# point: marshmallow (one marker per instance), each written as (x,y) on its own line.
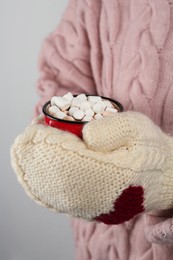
(62,103)
(94,98)
(92,103)
(87,118)
(53,109)
(98,108)
(78,114)
(111,109)
(89,112)
(107,113)
(82,97)
(76,102)
(69,118)
(85,105)
(69,96)
(81,107)
(60,115)
(72,109)
(52,102)
(108,103)
(101,103)
(98,116)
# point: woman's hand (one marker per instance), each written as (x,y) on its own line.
(123,166)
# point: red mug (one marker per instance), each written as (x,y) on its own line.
(75,127)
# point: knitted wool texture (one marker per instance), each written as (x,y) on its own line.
(86,179)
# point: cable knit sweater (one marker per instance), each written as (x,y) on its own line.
(124,50)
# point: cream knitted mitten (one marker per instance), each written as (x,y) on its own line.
(123,166)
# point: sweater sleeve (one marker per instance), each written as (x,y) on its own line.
(159,227)
(64,61)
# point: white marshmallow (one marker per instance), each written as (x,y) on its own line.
(85,105)
(69,118)
(111,109)
(101,103)
(89,112)
(98,108)
(92,103)
(76,102)
(107,113)
(108,103)
(94,98)
(71,110)
(52,101)
(82,97)
(68,96)
(62,103)
(78,114)
(80,108)
(60,115)
(87,118)
(53,109)
(98,116)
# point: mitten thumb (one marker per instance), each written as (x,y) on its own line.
(109,133)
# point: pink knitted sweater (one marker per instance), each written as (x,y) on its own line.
(124,50)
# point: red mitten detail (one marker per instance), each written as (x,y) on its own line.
(129,204)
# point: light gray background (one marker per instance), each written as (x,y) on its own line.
(27,231)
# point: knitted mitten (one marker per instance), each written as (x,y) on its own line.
(123,166)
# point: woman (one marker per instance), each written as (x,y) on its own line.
(124,50)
